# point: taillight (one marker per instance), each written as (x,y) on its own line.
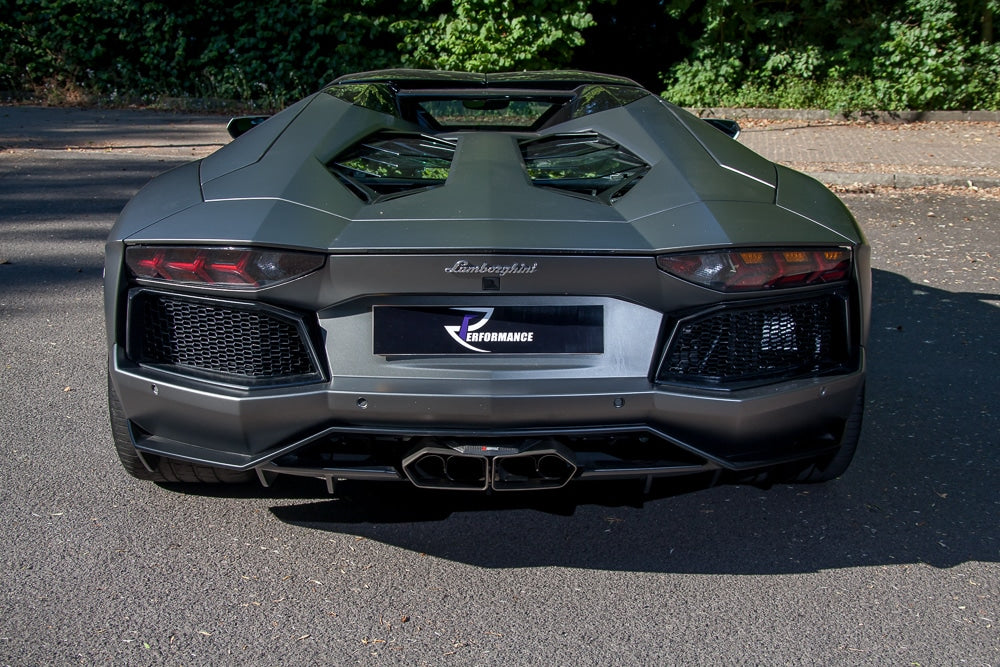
(757,269)
(229,268)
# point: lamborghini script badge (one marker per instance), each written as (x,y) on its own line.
(517,268)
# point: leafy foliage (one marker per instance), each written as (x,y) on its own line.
(493,35)
(907,54)
(834,54)
(242,49)
(268,52)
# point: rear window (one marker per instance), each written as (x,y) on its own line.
(469,107)
(495,112)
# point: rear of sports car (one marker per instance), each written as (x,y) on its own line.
(505,282)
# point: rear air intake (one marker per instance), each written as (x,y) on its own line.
(768,342)
(244,344)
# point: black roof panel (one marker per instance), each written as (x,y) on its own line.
(418,78)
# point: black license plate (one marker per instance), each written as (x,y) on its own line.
(488,330)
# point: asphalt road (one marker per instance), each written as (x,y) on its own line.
(896,563)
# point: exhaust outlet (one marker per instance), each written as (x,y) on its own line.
(534,469)
(552,466)
(431,466)
(440,468)
(466,469)
(546,465)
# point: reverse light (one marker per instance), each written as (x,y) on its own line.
(752,269)
(228,268)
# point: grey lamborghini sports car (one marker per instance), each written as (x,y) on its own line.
(490,283)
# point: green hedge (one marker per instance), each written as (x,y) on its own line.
(126,49)
(266,53)
(841,55)
(833,54)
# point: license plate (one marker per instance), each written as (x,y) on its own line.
(488,330)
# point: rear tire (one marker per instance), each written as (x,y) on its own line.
(834,465)
(164,470)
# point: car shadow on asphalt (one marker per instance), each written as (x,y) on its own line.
(922,490)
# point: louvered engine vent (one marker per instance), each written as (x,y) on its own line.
(389,164)
(586,164)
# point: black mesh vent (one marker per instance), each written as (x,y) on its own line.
(248,345)
(740,345)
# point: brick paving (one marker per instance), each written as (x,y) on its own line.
(844,153)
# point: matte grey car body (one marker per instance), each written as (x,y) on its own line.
(502,282)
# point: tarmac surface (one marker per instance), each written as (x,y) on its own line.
(836,152)
(895,563)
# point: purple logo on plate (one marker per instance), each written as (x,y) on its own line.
(461,332)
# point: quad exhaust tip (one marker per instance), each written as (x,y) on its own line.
(443,468)
(537,469)
(549,466)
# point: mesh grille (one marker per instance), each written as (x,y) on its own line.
(251,344)
(776,340)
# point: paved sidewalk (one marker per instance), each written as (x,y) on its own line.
(960,154)
(102,131)
(841,153)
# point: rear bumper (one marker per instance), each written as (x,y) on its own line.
(683,430)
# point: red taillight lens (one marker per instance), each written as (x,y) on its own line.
(229,268)
(752,269)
